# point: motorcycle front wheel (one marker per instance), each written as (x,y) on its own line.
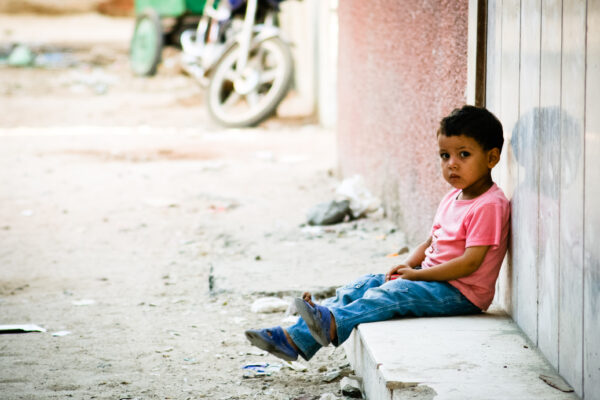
(245,98)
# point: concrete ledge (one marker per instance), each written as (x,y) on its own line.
(472,357)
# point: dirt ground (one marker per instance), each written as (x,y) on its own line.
(131,221)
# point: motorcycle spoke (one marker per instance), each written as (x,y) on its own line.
(269,75)
(232,99)
(253,98)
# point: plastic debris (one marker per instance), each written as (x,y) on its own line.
(24,328)
(61,333)
(27,213)
(351,388)
(329,213)
(260,369)
(332,375)
(296,366)
(21,56)
(269,305)
(83,302)
(362,202)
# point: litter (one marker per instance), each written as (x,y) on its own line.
(61,333)
(269,305)
(329,213)
(350,387)
(21,56)
(83,302)
(260,369)
(332,375)
(362,202)
(296,366)
(21,328)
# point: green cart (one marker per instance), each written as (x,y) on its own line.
(157,23)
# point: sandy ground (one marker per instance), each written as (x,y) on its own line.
(120,201)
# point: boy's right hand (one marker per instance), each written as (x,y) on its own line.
(395,270)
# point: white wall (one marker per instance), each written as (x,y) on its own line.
(543,82)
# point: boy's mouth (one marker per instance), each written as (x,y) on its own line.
(453,176)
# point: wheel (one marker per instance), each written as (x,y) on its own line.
(146,43)
(245,98)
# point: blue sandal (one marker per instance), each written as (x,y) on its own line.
(318,320)
(274,341)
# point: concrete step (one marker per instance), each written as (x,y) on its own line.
(477,357)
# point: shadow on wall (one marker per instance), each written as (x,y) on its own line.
(546,144)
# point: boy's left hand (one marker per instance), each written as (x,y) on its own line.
(408,274)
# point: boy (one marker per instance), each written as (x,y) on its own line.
(453,272)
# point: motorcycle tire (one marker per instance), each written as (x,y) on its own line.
(248,98)
(146,44)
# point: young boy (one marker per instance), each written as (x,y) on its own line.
(453,272)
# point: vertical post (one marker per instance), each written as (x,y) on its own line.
(476,58)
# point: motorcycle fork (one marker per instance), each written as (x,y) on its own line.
(245,37)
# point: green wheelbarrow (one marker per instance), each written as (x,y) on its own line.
(151,31)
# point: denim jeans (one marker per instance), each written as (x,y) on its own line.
(370,298)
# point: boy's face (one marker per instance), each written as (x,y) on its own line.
(466,165)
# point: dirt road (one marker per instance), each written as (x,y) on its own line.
(120,202)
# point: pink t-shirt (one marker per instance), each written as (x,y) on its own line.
(458,224)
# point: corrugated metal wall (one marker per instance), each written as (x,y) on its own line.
(543,82)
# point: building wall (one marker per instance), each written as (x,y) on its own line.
(543,82)
(402,66)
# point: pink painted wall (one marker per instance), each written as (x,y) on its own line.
(402,67)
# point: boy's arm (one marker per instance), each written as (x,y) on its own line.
(456,268)
(414,259)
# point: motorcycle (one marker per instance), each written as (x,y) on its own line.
(237,51)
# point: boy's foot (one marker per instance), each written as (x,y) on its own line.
(317,318)
(273,340)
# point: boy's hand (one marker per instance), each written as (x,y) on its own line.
(396,270)
(408,274)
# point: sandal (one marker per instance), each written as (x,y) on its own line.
(274,341)
(318,320)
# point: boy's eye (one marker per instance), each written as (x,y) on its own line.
(464,154)
(444,156)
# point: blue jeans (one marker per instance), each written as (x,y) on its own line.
(370,298)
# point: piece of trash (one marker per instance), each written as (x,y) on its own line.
(329,213)
(362,202)
(27,213)
(24,328)
(269,305)
(61,333)
(351,388)
(557,382)
(260,369)
(296,366)
(21,56)
(332,375)
(392,255)
(189,359)
(313,231)
(83,302)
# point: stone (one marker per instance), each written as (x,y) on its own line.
(329,213)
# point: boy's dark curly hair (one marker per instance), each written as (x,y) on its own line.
(474,122)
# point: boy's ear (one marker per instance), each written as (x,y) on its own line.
(493,157)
